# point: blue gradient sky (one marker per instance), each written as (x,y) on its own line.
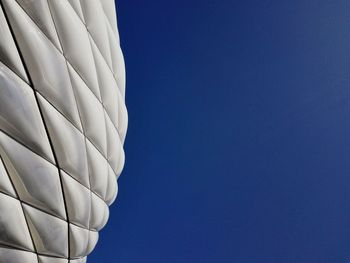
(238,147)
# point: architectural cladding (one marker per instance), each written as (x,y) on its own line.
(62,127)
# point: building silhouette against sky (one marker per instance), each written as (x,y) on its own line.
(63,123)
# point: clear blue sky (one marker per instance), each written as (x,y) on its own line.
(238,148)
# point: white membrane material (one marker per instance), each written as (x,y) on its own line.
(63,122)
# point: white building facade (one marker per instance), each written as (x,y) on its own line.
(63,123)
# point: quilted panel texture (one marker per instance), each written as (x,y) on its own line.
(63,123)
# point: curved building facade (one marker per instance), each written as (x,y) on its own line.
(63,123)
